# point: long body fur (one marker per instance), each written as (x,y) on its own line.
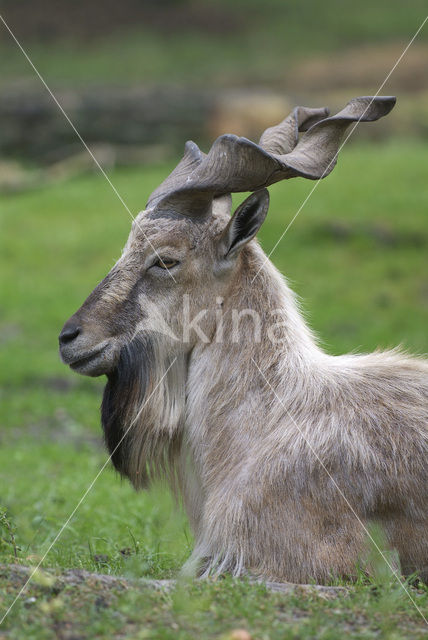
(283,455)
(259,458)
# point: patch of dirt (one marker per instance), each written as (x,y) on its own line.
(364,67)
(17,575)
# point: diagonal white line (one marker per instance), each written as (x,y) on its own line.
(341,146)
(342,494)
(30,577)
(60,107)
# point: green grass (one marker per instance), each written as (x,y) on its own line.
(257,44)
(357,256)
(211,611)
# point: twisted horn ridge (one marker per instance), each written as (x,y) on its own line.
(236,164)
(284,137)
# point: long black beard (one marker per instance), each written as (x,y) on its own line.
(125,390)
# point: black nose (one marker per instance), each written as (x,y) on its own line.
(69,333)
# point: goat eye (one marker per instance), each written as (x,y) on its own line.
(165,263)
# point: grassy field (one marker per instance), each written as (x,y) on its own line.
(357,256)
(218,43)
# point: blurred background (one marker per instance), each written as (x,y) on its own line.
(138,78)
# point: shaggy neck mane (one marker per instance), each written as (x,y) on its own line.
(145,406)
(142,411)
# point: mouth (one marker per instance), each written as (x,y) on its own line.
(94,363)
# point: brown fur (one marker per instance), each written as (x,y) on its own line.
(283,455)
(245,453)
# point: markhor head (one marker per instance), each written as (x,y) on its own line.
(186,243)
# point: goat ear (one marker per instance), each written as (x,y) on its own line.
(244,224)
